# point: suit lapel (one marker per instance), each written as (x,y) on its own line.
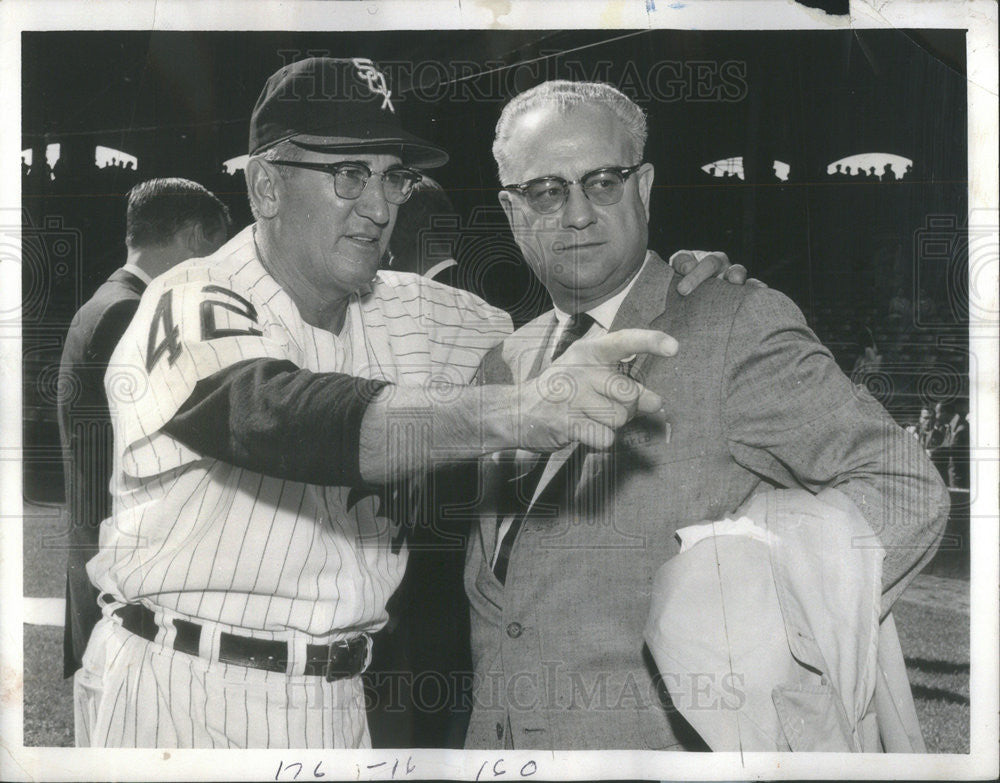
(526,353)
(523,353)
(644,304)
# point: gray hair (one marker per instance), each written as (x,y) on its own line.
(565,95)
(283,150)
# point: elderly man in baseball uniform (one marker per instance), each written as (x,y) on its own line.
(167,221)
(279,391)
(560,576)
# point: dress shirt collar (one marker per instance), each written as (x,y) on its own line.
(142,274)
(604,313)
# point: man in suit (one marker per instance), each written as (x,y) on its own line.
(428,633)
(559,574)
(167,221)
(950,450)
(927,432)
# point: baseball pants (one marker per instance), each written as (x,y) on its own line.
(134,693)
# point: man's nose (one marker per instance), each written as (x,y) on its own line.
(578,212)
(372,202)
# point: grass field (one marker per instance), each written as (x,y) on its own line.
(932,619)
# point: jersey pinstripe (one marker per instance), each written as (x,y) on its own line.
(255,553)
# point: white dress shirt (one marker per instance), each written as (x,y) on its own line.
(142,274)
(604,315)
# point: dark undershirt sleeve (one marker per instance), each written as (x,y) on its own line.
(269,416)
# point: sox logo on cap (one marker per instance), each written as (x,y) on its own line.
(375,80)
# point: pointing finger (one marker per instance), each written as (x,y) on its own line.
(611,348)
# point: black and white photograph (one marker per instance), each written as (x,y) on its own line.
(500,390)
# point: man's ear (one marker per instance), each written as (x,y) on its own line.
(262,187)
(201,240)
(645,178)
(189,240)
(193,238)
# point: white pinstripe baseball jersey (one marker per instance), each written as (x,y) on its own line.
(215,542)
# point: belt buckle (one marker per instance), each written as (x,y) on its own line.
(345,645)
(368,652)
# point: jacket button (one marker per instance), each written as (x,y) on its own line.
(514,630)
(499,731)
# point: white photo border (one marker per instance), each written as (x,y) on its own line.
(979,17)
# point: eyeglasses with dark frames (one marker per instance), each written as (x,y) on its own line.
(350,178)
(603,186)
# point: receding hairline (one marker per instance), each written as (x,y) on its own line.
(563,109)
(517,125)
(565,97)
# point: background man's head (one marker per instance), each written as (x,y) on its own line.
(583,251)
(425,231)
(170,220)
(944,412)
(322,231)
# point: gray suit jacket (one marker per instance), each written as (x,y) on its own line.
(752,400)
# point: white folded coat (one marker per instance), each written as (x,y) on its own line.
(766,630)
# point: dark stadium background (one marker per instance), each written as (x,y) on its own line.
(846,250)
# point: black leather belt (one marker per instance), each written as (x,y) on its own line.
(334,661)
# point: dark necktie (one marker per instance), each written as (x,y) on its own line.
(576,327)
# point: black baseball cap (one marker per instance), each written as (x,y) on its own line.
(335,104)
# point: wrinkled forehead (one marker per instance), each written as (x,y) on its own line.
(566,141)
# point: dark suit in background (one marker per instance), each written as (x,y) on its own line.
(86,436)
(167,220)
